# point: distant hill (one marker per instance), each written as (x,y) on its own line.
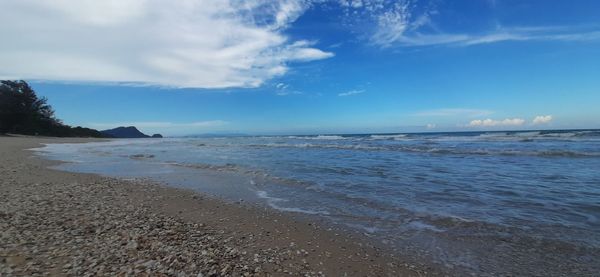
(126,132)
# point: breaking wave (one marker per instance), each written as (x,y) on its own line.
(434,150)
(389,137)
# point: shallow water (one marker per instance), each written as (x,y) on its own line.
(487,203)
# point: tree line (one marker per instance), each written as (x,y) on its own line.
(23,112)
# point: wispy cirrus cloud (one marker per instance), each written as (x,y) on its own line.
(411,23)
(283,89)
(201,44)
(351,92)
(498,35)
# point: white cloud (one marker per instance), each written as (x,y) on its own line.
(542,119)
(281,86)
(188,43)
(455,112)
(497,123)
(431,126)
(392,24)
(282,89)
(418,39)
(207,43)
(288,92)
(411,23)
(351,92)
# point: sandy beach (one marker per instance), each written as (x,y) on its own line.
(300,138)
(60,223)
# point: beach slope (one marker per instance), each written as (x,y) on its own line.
(76,224)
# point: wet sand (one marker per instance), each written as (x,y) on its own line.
(61,223)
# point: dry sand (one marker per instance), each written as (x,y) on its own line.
(60,223)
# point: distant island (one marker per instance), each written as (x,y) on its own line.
(127,132)
(23,112)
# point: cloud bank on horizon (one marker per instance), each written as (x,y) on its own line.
(212,43)
(509,122)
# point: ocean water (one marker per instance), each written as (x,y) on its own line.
(486,203)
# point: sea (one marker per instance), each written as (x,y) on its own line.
(480,203)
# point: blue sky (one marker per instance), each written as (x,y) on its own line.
(310,66)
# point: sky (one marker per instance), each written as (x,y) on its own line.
(308,67)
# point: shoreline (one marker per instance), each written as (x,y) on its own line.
(263,241)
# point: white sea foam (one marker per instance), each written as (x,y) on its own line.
(271,201)
(312,145)
(420,225)
(319,137)
(437,150)
(389,137)
(330,137)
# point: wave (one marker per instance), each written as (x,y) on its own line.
(567,154)
(545,153)
(134,156)
(329,137)
(576,133)
(435,150)
(344,137)
(527,136)
(272,202)
(523,136)
(224,167)
(389,137)
(319,137)
(323,146)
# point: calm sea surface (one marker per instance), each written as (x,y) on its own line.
(521,203)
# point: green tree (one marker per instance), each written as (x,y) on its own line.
(22,112)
